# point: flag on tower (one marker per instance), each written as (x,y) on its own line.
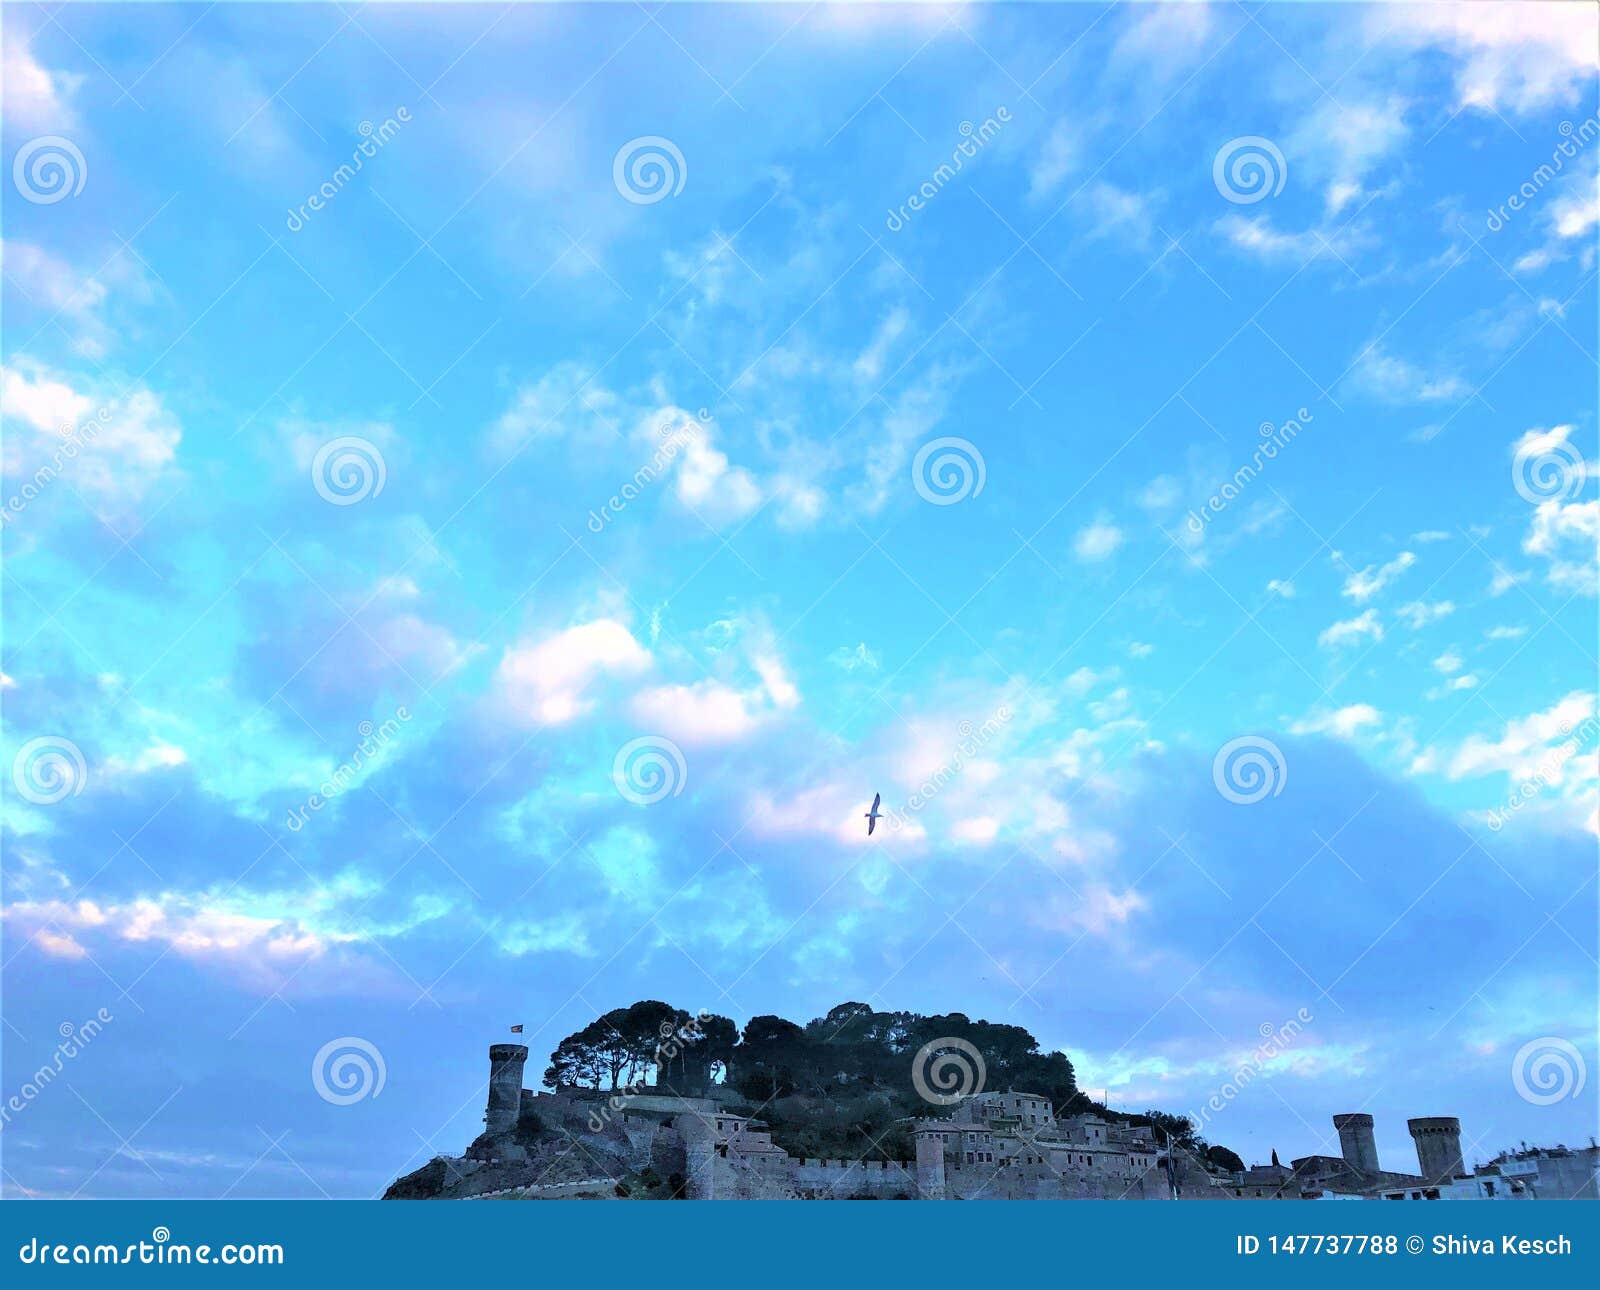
(516,1030)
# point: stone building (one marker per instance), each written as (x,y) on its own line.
(1002,1146)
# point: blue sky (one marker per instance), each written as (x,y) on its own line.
(919,459)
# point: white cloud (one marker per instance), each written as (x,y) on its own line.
(1099,541)
(37,99)
(1373,579)
(706,482)
(1282,588)
(120,445)
(549,681)
(563,401)
(1344,722)
(1417,614)
(1518,56)
(979,830)
(1141,649)
(1353,629)
(1531,744)
(1503,633)
(1392,379)
(1448,662)
(1567,536)
(868,366)
(1258,237)
(1056,158)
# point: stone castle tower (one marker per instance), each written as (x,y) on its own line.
(505,1087)
(1357,1144)
(1438,1139)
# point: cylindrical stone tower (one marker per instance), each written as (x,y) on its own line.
(1438,1139)
(1356,1142)
(930,1166)
(505,1087)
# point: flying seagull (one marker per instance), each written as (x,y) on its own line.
(874,815)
